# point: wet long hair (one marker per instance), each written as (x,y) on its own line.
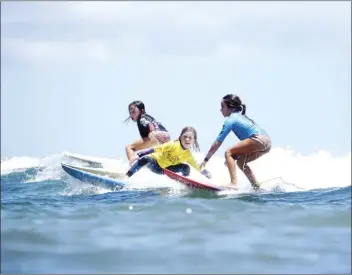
(234,102)
(195,145)
(139,104)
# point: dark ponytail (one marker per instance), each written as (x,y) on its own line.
(234,102)
(244,109)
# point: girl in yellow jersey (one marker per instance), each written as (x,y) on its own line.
(170,155)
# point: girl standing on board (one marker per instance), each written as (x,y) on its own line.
(170,155)
(151,131)
(254,141)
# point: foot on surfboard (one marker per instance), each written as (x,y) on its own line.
(256,186)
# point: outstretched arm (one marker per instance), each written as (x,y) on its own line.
(145,152)
(141,154)
(210,153)
(226,128)
(160,148)
(215,146)
(195,165)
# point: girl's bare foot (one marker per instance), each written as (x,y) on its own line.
(256,186)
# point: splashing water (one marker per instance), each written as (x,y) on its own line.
(282,169)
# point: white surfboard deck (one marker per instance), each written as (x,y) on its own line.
(92,161)
(99,171)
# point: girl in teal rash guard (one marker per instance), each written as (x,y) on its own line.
(254,141)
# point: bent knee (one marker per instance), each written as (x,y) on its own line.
(241,163)
(186,170)
(130,147)
(228,154)
(143,160)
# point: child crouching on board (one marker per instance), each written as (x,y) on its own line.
(254,141)
(170,155)
(152,132)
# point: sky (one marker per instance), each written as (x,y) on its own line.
(70,69)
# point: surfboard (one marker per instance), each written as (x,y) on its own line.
(99,171)
(93,162)
(92,178)
(192,183)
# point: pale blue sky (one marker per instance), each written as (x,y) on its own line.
(69,70)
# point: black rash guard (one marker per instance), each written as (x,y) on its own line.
(143,125)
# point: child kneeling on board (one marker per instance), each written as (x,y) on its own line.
(170,155)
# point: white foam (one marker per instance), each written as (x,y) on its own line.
(318,170)
(76,187)
(16,163)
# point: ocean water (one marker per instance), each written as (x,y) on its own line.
(301,223)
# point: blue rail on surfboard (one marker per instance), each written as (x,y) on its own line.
(91,178)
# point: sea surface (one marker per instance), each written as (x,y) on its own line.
(52,223)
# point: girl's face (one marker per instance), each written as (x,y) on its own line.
(134,112)
(187,139)
(226,111)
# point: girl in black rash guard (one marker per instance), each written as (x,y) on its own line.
(151,131)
